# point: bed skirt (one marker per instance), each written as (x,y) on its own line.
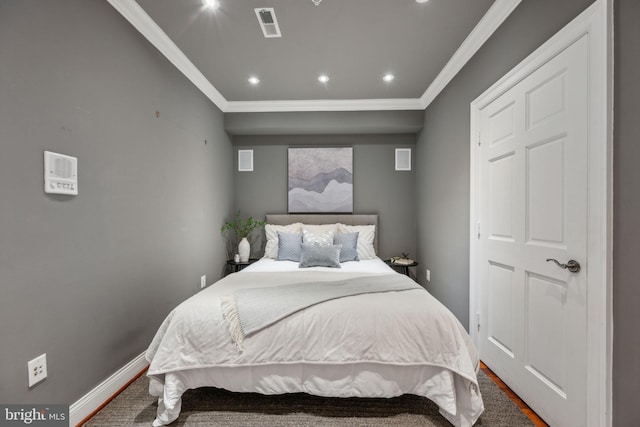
(459,399)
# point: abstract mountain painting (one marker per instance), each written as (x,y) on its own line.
(321,180)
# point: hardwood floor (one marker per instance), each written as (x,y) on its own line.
(535,419)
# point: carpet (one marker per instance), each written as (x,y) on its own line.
(214,407)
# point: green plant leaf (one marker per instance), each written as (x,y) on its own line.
(241,227)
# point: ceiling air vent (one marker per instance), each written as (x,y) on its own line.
(268,22)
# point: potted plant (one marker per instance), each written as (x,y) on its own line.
(242,228)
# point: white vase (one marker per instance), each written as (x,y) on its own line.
(244,249)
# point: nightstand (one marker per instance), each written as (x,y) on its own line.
(237,266)
(404,268)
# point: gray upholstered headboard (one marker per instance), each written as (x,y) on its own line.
(284,219)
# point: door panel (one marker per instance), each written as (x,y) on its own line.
(546,328)
(501,314)
(546,100)
(500,198)
(501,124)
(545,193)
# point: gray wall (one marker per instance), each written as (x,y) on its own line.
(88,279)
(443,176)
(378,188)
(626,215)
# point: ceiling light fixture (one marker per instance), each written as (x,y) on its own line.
(254,80)
(388,77)
(421,1)
(316,2)
(323,78)
(211,4)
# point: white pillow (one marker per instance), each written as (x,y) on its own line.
(323,239)
(320,228)
(271,233)
(365,249)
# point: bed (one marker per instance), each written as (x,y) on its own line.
(356,329)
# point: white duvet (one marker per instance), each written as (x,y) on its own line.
(389,334)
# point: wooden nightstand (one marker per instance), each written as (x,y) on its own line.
(234,267)
(404,268)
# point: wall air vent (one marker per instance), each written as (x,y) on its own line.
(245,160)
(268,22)
(403,159)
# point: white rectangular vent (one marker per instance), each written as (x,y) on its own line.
(403,159)
(245,160)
(60,174)
(268,22)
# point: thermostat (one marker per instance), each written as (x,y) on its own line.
(60,174)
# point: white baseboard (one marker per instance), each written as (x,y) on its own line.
(91,401)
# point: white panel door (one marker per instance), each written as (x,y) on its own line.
(533,207)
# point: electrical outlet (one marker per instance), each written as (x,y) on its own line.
(203,281)
(428,275)
(37,369)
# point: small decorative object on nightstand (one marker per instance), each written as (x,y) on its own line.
(402,263)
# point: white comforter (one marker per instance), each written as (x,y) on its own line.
(408,328)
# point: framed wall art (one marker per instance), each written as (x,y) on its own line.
(320,180)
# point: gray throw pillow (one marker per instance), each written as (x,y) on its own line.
(319,256)
(289,246)
(349,242)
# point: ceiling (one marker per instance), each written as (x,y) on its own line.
(354,42)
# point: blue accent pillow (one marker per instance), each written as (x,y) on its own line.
(349,242)
(289,246)
(319,256)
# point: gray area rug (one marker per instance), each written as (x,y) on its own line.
(215,407)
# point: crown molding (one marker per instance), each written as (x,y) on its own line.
(324,105)
(142,22)
(495,16)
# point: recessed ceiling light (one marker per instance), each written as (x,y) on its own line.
(388,77)
(323,78)
(254,80)
(211,4)
(421,1)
